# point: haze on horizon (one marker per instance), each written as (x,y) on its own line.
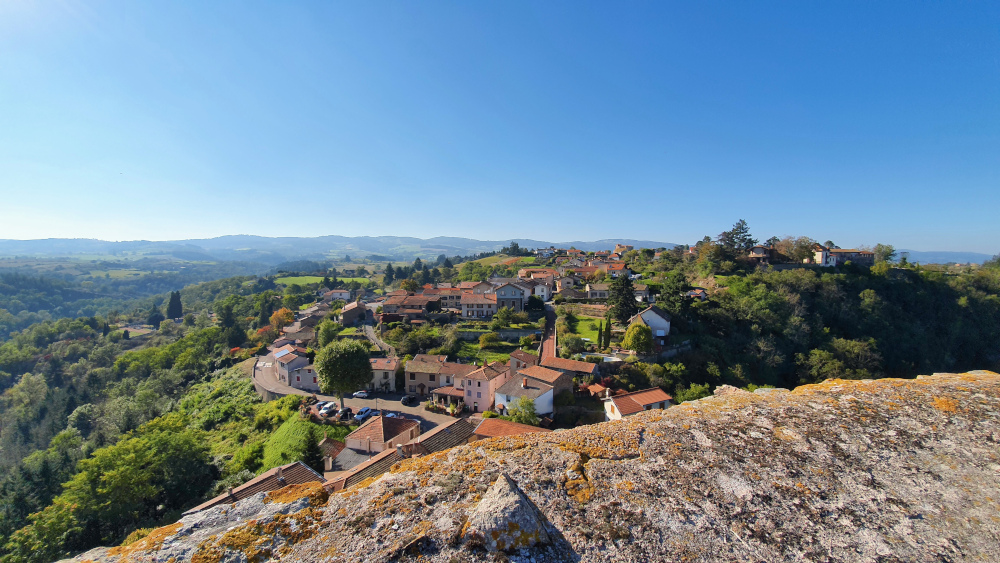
(855,122)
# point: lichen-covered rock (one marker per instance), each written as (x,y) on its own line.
(884,470)
(506,519)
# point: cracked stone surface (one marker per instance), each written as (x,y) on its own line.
(884,470)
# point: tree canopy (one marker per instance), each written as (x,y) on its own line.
(343,367)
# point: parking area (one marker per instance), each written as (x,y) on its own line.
(390,402)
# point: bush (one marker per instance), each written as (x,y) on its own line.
(490,414)
(564,399)
(572,344)
(488,340)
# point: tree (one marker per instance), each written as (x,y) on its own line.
(418,265)
(523,412)
(488,339)
(389,274)
(691,393)
(504,316)
(600,335)
(155,317)
(343,367)
(572,344)
(993,263)
(447,264)
(638,338)
(327,332)
(409,285)
(281,318)
(174,308)
(621,299)
(884,253)
(737,241)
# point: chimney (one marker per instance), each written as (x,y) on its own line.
(229,491)
(399,450)
(281,475)
(524,383)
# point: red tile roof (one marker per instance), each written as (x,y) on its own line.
(542,374)
(493,427)
(381,429)
(488,372)
(448,391)
(530,359)
(295,473)
(478,299)
(631,403)
(387,364)
(569,365)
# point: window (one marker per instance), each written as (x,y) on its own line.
(385,375)
(479,384)
(468,392)
(297,379)
(430,377)
(479,395)
(447,380)
(413,376)
(412,389)
(314,380)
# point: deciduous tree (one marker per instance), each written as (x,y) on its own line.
(343,367)
(638,338)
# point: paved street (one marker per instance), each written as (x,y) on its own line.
(549,340)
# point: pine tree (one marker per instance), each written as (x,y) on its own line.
(447,263)
(389,274)
(174,308)
(418,265)
(600,335)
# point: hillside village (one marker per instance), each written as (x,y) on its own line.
(517,362)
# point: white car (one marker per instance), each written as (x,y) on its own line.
(361,394)
(329,408)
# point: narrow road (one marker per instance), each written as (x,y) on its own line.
(549,339)
(382,345)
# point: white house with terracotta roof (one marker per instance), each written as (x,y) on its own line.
(559,380)
(425,372)
(541,393)
(384,374)
(335,294)
(382,433)
(479,305)
(618,406)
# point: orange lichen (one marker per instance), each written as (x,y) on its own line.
(945,404)
(148,544)
(314,491)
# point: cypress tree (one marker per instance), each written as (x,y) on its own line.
(174,308)
(389,274)
(600,335)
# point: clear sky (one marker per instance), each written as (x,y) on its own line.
(858,122)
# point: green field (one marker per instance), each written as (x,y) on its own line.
(301,280)
(500,353)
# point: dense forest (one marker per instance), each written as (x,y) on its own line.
(33,291)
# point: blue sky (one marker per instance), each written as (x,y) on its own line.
(857,122)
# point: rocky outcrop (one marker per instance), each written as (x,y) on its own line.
(886,470)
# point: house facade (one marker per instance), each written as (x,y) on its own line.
(511,296)
(479,305)
(352,313)
(383,374)
(425,372)
(382,433)
(597,290)
(480,386)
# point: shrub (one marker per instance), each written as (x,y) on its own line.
(488,340)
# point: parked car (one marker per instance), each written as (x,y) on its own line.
(319,406)
(393,415)
(345,413)
(361,394)
(408,400)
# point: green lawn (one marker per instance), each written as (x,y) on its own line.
(348,330)
(500,353)
(582,327)
(301,280)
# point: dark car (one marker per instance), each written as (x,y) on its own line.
(408,400)
(345,413)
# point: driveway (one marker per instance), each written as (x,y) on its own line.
(549,340)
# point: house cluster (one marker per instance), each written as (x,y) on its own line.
(822,256)
(496,386)
(470,300)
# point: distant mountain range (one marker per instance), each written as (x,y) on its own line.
(275,250)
